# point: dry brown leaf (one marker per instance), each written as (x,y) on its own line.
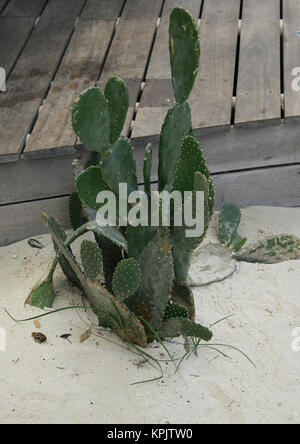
(37,323)
(85,335)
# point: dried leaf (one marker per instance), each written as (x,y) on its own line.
(85,335)
(37,323)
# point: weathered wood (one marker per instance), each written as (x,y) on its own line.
(103,10)
(291,51)
(79,70)
(40,178)
(238,149)
(131,47)
(279,186)
(258,88)
(2,5)
(24,8)
(211,98)
(21,221)
(33,73)
(18,30)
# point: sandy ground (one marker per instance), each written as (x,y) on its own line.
(90,382)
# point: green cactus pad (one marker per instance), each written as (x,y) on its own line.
(116,93)
(176,127)
(190,161)
(67,270)
(184,246)
(147,168)
(90,119)
(184,49)
(89,184)
(42,296)
(238,242)
(229,221)
(182,257)
(127,279)
(191,329)
(111,313)
(75,211)
(138,237)
(183,295)
(186,328)
(91,258)
(157,276)
(271,250)
(118,166)
(175,311)
(112,234)
(112,255)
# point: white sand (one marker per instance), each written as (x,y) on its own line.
(91,382)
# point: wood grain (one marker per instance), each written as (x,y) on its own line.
(33,73)
(39,178)
(18,30)
(267,186)
(238,149)
(21,221)
(291,51)
(79,70)
(131,47)
(24,8)
(2,4)
(211,98)
(103,10)
(258,88)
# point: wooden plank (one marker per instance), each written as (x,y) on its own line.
(272,186)
(2,4)
(39,179)
(212,95)
(21,221)
(211,100)
(291,51)
(79,70)
(33,73)
(238,149)
(131,47)
(258,88)
(278,186)
(24,8)
(103,10)
(14,32)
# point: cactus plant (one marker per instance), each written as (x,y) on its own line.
(145,267)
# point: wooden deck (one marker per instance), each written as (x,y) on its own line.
(246,114)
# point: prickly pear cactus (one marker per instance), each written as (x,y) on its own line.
(271,250)
(229,221)
(145,267)
(91,258)
(127,279)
